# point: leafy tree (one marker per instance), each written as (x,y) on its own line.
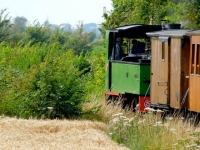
(79,41)
(124,12)
(58,35)
(20,24)
(18,27)
(192,18)
(36,34)
(5,26)
(133,11)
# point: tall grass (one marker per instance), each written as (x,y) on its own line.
(149,131)
(145,131)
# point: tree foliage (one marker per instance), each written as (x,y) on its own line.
(5,26)
(40,81)
(124,12)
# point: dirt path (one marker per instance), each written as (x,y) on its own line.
(19,134)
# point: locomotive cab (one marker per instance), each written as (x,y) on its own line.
(128,79)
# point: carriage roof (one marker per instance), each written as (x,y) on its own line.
(193,32)
(168,33)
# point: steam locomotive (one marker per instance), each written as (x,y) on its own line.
(165,76)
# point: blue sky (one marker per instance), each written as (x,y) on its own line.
(57,11)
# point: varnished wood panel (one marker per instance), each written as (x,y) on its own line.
(163,74)
(194,84)
(185,57)
(192,94)
(195,79)
(179,71)
(197,93)
(154,69)
(159,70)
(175,73)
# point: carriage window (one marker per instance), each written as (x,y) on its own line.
(192,61)
(198,60)
(163,51)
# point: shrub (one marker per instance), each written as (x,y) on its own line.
(50,88)
(56,89)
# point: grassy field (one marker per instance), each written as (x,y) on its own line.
(54,135)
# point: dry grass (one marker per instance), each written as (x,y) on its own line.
(105,112)
(54,134)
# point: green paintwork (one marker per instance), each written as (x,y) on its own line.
(107,63)
(128,78)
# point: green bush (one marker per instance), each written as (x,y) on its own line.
(57,86)
(50,88)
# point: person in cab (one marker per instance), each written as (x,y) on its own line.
(118,51)
(138,47)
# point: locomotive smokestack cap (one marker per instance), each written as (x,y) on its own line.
(119,39)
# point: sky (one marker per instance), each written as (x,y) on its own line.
(57,11)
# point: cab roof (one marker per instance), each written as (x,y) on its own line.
(135,30)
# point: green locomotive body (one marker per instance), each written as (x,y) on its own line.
(128,78)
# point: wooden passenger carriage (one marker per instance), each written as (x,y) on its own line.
(169,68)
(194,72)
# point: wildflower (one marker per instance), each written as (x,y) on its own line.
(115,120)
(126,124)
(131,119)
(111,133)
(123,117)
(119,114)
(126,119)
(159,123)
(140,121)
